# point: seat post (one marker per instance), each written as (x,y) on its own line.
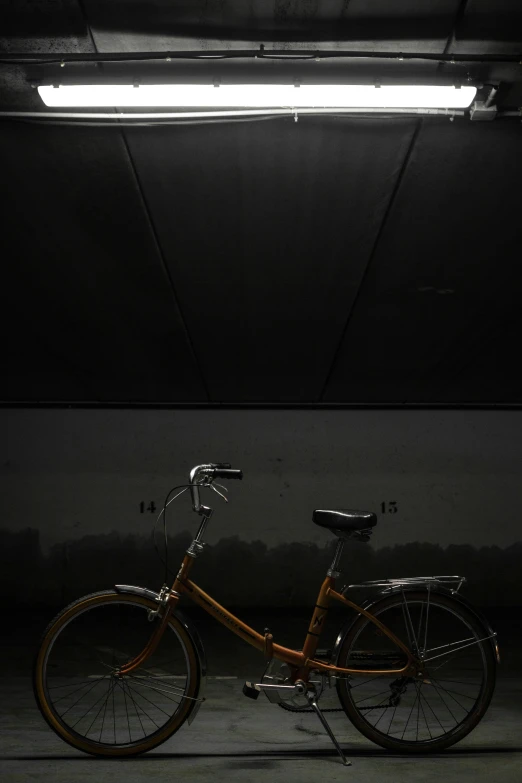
(333,570)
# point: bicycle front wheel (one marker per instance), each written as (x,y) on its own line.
(80,694)
(411,715)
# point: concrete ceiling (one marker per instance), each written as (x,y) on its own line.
(329,261)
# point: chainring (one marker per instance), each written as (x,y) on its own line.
(279,672)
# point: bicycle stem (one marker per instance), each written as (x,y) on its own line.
(194,489)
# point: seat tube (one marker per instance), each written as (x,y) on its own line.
(318,620)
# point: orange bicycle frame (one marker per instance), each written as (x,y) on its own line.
(303,660)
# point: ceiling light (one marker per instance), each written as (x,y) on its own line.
(259,96)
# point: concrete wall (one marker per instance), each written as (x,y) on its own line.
(455,477)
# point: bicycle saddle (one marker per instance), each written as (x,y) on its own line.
(344,521)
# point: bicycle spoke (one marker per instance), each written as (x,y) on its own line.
(427,615)
(445,704)
(383,713)
(105,712)
(365,682)
(113,684)
(81,697)
(419,686)
(135,710)
(451,644)
(137,714)
(146,699)
(377,707)
(409,716)
(82,689)
(371,696)
(138,681)
(127,711)
(452,697)
(413,715)
(419,627)
(392,718)
(459,682)
(477,641)
(465,695)
(87,711)
(433,713)
(418,706)
(409,625)
(114,715)
(162,680)
(451,658)
(129,689)
(68,695)
(68,685)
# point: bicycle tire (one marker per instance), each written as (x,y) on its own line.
(49,712)
(462,728)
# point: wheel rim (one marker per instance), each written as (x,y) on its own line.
(84,695)
(413,711)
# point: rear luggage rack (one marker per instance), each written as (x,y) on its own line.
(454,582)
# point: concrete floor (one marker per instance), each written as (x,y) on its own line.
(233,738)
(236,739)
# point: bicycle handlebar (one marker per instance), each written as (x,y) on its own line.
(212,470)
(228,473)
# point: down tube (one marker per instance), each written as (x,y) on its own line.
(234,624)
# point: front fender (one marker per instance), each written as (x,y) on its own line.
(370,602)
(191,630)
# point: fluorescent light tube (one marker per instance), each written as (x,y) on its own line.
(259,96)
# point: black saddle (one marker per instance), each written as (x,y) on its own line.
(344,522)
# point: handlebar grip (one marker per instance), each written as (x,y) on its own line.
(227,473)
(220,465)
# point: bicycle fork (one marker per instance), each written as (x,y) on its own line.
(165,605)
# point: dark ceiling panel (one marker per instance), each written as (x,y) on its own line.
(48,26)
(35,371)
(267,228)
(487,24)
(438,316)
(86,278)
(404,25)
(43,26)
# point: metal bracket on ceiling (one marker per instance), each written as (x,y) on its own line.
(484,110)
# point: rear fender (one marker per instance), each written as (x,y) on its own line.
(371,602)
(191,630)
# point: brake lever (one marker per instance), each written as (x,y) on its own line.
(220,493)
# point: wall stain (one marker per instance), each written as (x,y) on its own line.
(240,573)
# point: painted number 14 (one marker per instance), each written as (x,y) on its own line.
(151,507)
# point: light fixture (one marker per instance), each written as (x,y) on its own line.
(259,96)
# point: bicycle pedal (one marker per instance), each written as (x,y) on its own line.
(251,690)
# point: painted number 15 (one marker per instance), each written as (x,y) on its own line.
(389,507)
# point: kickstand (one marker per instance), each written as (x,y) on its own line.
(313,704)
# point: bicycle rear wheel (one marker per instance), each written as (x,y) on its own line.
(406,714)
(82,698)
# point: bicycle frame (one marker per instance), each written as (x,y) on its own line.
(301,660)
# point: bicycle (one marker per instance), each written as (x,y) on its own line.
(414,670)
